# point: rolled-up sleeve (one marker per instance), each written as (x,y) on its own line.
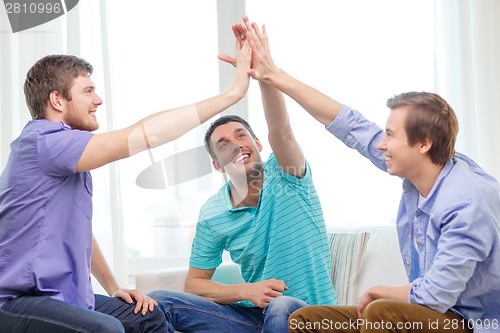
(358,133)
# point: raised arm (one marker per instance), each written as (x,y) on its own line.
(165,126)
(281,137)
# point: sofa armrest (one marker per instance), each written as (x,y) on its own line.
(168,278)
(174,278)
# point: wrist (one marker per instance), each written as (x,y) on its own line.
(242,291)
(112,290)
(273,77)
(233,94)
(374,292)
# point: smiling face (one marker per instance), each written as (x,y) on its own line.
(402,159)
(79,111)
(236,152)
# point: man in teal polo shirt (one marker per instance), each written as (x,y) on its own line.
(269,218)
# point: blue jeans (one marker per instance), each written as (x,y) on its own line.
(43,314)
(193,313)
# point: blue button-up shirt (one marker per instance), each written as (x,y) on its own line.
(456,230)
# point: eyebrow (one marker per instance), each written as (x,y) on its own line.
(239,129)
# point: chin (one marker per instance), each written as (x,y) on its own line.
(90,127)
(96,127)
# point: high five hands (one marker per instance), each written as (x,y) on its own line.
(262,65)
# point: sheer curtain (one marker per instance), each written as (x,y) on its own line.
(82,32)
(359,59)
(468,74)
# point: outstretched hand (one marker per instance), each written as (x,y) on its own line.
(242,63)
(262,64)
(240,33)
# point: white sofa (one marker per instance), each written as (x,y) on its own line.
(380,263)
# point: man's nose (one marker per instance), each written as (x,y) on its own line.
(382,144)
(97,100)
(235,146)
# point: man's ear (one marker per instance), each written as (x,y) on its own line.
(55,101)
(259,145)
(217,166)
(425,145)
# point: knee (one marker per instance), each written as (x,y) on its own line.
(285,304)
(299,315)
(166,298)
(108,324)
(155,321)
(157,316)
(301,318)
(378,309)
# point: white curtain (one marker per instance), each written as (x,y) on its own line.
(82,32)
(468,74)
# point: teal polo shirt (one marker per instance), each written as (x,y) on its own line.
(283,238)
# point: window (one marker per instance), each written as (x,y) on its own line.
(167,59)
(360,59)
(162,60)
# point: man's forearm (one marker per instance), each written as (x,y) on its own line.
(321,107)
(215,291)
(100,269)
(281,137)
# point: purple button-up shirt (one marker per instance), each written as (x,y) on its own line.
(45,216)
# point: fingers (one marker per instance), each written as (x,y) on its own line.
(255,28)
(143,304)
(123,294)
(360,312)
(239,32)
(277,285)
(254,34)
(244,56)
(146,303)
(227,58)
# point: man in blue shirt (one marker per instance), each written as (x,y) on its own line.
(47,250)
(448,221)
(269,218)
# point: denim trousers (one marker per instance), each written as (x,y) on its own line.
(192,313)
(43,314)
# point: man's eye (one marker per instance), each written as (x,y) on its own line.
(223,146)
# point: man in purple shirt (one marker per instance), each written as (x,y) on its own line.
(448,220)
(47,250)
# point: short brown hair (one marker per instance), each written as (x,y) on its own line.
(52,73)
(429,117)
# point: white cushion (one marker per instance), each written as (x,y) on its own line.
(382,263)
